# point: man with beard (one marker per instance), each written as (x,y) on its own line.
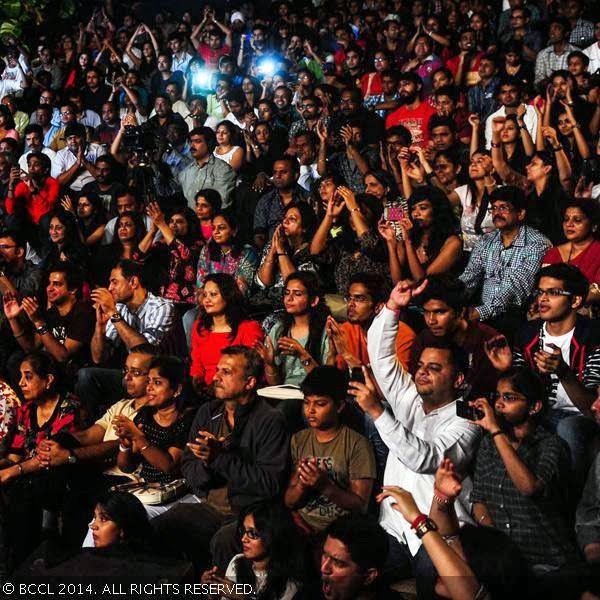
(271,207)
(286,113)
(564,347)
(310,111)
(105,185)
(351,108)
(107,131)
(503,263)
(64,328)
(520,473)
(236,455)
(365,298)
(509,94)
(164,75)
(414,114)
(444,312)
(354,554)
(419,425)
(206,171)
(74,166)
(163,115)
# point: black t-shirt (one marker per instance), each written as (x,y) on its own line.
(109,197)
(95,100)
(76,325)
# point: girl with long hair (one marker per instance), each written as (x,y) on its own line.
(430,242)
(225,253)
(272,558)
(222,321)
(299,335)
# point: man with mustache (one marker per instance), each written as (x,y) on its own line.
(504,263)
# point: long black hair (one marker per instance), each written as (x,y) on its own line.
(235,309)
(237,245)
(72,247)
(317,314)
(130,515)
(283,547)
(193,223)
(307,217)
(140,231)
(444,222)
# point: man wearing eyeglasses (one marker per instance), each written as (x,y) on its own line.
(564,348)
(97,446)
(503,263)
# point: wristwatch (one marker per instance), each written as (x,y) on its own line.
(306,362)
(72,459)
(424,527)
(42,329)
(116,317)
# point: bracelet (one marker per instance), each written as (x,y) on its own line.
(18,335)
(557,149)
(281,254)
(496,145)
(420,519)
(355,209)
(440,498)
(124,448)
(429,176)
(495,433)
(20,467)
(43,330)
(144,448)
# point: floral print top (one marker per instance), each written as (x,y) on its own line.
(9,405)
(181,287)
(29,433)
(242,268)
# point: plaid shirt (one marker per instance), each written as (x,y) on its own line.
(582,34)
(506,275)
(536,523)
(371,101)
(548,61)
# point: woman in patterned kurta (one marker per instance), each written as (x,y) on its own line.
(29,484)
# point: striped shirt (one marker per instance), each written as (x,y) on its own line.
(505,274)
(155,319)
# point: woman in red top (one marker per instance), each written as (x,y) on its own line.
(582,248)
(222,322)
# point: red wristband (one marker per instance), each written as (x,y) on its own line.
(394,310)
(420,519)
(440,495)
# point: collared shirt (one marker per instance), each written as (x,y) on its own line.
(506,275)
(154,319)
(548,61)
(371,101)
(215,174)
(180,64)
(178,160)
(418,441)
(593,53)
(529,118)
(270,210)
(308,175)
(348,169)
(65,159)
(582,34)
(482,99)
(536,523)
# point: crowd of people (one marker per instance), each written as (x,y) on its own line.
(306,294)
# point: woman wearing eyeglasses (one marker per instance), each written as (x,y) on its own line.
(370,83)
(271,560)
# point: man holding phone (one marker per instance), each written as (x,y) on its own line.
(420,428)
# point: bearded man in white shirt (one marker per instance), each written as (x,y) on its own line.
(420,426)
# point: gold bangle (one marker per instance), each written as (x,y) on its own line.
(20,467)
(144,448)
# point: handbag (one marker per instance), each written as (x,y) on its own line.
(153,493)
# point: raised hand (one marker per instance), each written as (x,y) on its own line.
(474,120)
(488,421)
(403,292)
(402,501)
(155,213)
(12,308)
(32,309)
(446,480)
(387,232)
(499,353)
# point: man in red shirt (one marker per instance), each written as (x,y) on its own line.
(35,195)
(219,40)
(414,114)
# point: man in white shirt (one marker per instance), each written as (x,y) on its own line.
(419,426)
(509,93)
(593,51)
(305,147)
(34,138)
(73,166)
(180,59)
(8,85)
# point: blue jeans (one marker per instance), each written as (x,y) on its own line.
(577,431)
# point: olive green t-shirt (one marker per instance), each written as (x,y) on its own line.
(348,456)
